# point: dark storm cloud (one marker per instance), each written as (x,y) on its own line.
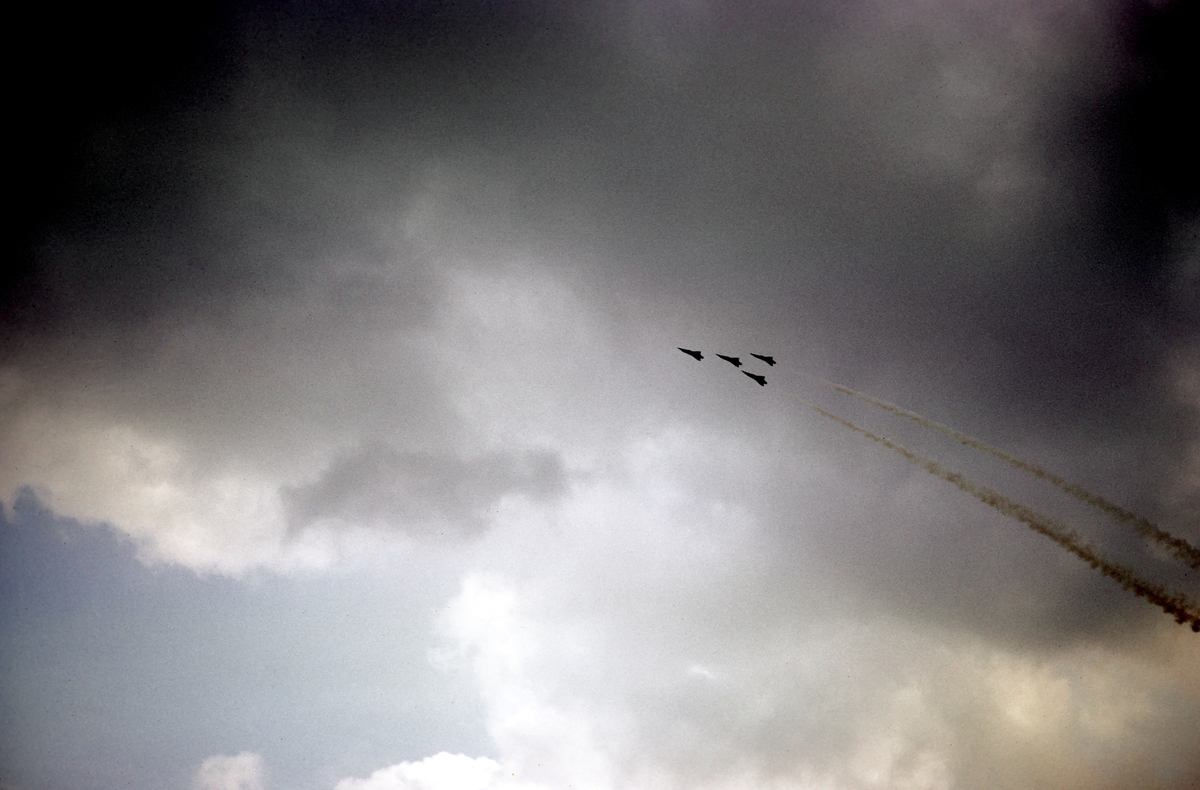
(230,154)
(1144,135)
(420,493)
(802,159)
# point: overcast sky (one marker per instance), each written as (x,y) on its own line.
(345,443)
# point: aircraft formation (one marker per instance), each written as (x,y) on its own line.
(1174,603)
(736,362)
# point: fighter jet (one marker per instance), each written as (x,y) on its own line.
(762,380)
(769,360)
(737,363)
(695,354)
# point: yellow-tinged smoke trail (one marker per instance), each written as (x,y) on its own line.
(1179,547)
(1174,604)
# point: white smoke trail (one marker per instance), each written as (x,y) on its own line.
(1179,547)
(1174,604)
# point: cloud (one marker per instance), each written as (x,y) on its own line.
(243,771)
(540,745)
(250,427)
(228,516)
(537,738)
(442,771)
(399,269)
(584,700)
(378,486)
(1184,490)
(147,487)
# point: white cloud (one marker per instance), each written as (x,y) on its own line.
(442,771)
(338,440)
(98,469)
(536,734)
(242,771)
(610,696)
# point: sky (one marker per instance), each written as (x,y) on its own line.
(345,442)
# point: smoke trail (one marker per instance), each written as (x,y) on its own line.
(1176,605)
(1179,547)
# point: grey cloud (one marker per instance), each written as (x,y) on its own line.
(983,212)
(800,162)
(803,176)
(420,492)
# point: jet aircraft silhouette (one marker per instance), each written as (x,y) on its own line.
(769,360)
(695,354)
(737,363)
(762,380)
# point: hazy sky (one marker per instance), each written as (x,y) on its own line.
(345,443)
